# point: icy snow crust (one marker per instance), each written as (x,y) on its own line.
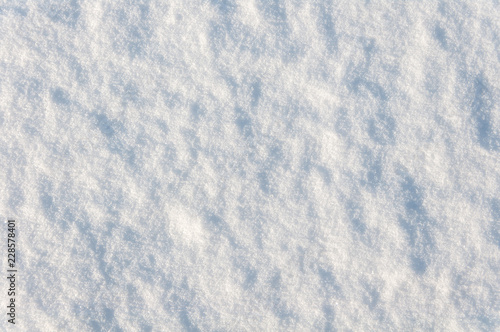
(252,165)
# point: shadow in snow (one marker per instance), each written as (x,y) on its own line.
(481,107)
(60,96)
(416,223)
(440,35)
(372,164)
(495,223)
(327,28)
(66,12)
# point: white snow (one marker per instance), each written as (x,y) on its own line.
(257,165)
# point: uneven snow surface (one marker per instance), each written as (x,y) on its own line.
(253,165)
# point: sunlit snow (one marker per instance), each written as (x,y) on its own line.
(253,165)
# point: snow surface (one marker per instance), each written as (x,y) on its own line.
(253,165)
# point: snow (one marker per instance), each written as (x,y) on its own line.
(223,165)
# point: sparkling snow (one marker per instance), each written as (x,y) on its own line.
(253,165)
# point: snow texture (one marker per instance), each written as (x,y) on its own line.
(253,165)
